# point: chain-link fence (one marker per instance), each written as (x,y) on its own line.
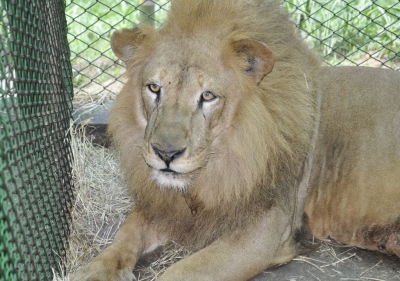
(355,32)
(35,108)
(90,25)
(351,32)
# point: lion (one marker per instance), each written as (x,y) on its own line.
(235,141)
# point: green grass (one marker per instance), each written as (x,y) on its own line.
(339,29)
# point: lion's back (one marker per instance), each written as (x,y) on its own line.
(355,184)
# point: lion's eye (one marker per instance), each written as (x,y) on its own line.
(207,96)
(154,88)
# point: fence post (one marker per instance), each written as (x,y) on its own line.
(147,12)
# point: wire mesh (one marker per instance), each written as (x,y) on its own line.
(35,159)
(90,25)
(355,32)
(351,32)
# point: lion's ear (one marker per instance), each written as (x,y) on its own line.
(258,57)
(125,41)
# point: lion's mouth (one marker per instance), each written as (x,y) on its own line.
(167,178)
(168,170)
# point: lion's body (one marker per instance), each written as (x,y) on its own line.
(355,184)
(230,131)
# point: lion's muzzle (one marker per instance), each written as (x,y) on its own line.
(168,176)
(167,153)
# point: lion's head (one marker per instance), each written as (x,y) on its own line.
(220,114)
(189,101)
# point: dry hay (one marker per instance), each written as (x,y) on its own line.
(101,205)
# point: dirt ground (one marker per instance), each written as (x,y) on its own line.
(327,263)
(336,264)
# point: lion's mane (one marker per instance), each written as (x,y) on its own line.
(254,164)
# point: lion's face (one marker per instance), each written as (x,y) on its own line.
(189,99)
(186,102)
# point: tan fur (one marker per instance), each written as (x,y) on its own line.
(355,184)
(282,136)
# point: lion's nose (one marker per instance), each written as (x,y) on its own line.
(167,154)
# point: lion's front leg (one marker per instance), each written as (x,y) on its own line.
(241,255)
(116,262)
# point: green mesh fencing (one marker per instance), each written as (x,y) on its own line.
(345,32)
(35,158)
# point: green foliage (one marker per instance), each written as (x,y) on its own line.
(340,29)
(348,29)
(90,25)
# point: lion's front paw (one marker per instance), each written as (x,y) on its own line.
(101,270)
